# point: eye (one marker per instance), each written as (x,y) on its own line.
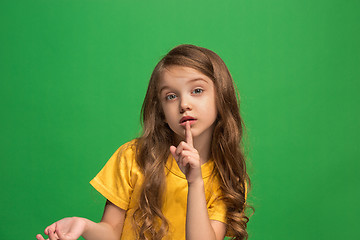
(197,91)
(170,97)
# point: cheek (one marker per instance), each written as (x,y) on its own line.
(214,105)
(211,105)
(166,113)
(162,111)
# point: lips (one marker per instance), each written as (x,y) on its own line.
(184,119)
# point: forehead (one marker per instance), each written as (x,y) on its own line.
(177,74)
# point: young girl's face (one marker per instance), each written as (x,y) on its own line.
(188,95)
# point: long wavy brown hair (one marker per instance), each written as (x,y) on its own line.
(226,148)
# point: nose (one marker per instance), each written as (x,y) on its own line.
(185,105)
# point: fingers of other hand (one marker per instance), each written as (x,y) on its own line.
(51,227)
(52,234)
(50,231)
(60,234)
(39,237)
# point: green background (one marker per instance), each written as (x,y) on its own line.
(74,74)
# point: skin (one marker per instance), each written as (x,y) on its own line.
(192,150)
(198,224)
(187,92)
(109,228)
(183,96)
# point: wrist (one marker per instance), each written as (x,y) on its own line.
(82,222)
(194,183)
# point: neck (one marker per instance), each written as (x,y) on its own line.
(203,147)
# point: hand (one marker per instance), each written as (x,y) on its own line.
(65,229)
(187,157)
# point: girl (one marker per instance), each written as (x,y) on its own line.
(185,177)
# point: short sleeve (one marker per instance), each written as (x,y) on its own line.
(115,180)
(217,211)
(215,205)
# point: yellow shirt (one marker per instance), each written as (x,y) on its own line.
(120,182)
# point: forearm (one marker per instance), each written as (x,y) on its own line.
(197,219)
(98,231)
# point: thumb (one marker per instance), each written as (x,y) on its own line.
(173,152)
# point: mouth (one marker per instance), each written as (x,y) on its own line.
(185,119)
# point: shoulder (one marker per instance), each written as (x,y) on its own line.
(122,164)
(128,148)
(125,155)
(117,179)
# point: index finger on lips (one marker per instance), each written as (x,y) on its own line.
(188,134)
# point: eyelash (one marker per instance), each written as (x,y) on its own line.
(167,97)
(196,91)
(201,90)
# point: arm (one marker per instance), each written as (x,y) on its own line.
(109,228)
(198,224)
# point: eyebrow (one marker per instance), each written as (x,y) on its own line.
(191,80)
